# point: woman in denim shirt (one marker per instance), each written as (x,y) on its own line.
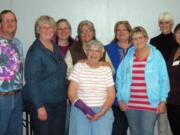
(45,75)
(142,84)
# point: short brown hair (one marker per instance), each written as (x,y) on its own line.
(5,12)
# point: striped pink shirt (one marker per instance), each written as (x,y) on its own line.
(138,99)
(92,83)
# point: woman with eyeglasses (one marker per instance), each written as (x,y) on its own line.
(46,85)
(86,32)
(142,84)
(92,93)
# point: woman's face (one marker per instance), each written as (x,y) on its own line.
(94,54)
(86,33)
(46,31)
(122,34)
(165,27)
(139,40)
(177,36)
(63,31)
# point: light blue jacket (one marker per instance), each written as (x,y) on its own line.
(156,77)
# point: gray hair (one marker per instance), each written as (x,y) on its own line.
(96,43)
(166,16)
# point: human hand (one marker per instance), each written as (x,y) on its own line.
(96,116)
(83,107)
(161,107)
(122,106)
(42,114)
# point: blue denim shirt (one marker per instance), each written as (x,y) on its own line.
(45,75)
(11,65)
(156,77)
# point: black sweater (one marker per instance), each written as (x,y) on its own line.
(164,43)
(174,76)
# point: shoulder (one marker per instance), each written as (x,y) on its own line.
(155,39)
(17,42)
(111,45)
(34,49)
(79,65)
(155,53)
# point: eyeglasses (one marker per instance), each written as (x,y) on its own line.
(138,38)
(63,29)
(46,28)
(8,21)
(86,31)
(121,30)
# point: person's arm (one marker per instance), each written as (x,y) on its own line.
(163,82)
(32,75)
(72,94)
(72,91)
(119,86)
(110,95)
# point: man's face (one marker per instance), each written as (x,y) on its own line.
(8,25)
(165,27)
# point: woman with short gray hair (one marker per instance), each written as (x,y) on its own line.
(92,93)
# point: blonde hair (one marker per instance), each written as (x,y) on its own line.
(139,29)
(41,20)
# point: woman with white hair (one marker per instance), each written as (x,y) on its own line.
(92,93)
(164,43)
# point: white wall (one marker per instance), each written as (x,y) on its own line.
(103,13)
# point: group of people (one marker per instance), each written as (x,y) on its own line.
(78,87)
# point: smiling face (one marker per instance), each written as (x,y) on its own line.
(165,26)
(86,33)
(94,54)
(139,40)
(46,31)
(63,31)
(122,34)
(8,24)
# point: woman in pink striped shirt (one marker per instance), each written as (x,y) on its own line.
(92,93)
(142,84)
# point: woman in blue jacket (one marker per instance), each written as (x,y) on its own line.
(142,84)
(46,84)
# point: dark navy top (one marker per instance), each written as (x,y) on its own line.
(45,75)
